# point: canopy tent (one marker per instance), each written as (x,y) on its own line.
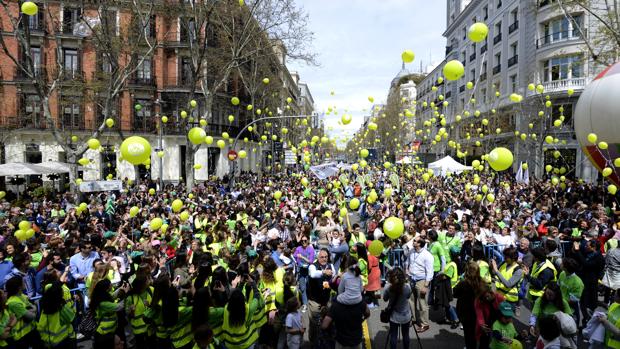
(26,169)
(447,165)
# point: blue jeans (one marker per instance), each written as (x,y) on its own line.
(302,283)
(404,329)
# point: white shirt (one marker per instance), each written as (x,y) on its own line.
(420,265)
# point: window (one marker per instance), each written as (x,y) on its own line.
(35,55)
(71,115)
(485,12)
(150,30)
(188,30)
(559,110)
(142,120)
(513,83)
(472,74)
(514,55)
(562,68)
(514,18)
(32,112)
(513,49)
(35,23)
(186,71)
(499,3)
(498,59)
(144,71)
(562,29)
(108,21)
(105,65)
(498,33)
(71,64)
(70,17)
(463,54)
(497,87)
(464,30)
(483,93)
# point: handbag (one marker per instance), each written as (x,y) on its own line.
(386,313)
(88,325)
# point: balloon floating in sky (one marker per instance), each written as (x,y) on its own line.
(596,119)
(453,70)
(234,101)
(500,159)
(478,32)
(393,227)
(197,135)
(408,56)
(346,119)
(30,8)
(135,150)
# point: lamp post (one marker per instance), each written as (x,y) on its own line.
(234,145)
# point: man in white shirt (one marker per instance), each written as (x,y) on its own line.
(420,272)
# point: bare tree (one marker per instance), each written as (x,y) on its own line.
(122,50)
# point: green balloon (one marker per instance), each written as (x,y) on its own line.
(307,193)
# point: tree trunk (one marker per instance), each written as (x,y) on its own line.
(73,173)
(189,166)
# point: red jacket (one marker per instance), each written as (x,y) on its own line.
(484,313)
(374,274)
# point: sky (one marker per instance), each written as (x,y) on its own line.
(359,44)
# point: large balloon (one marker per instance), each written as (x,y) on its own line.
(408,56)
(500,159)
(478,32)
(156,223)
(93,144)
(177,205)
(30,8)
(133,211)
(24,225)
(136,150)
(393,227)
(197,135)
(354,204)
(596,113)
(453,70)
(375,248)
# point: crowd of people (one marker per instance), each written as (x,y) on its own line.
(242,267)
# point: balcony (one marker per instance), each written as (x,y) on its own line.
(558,37)
(31,120)
(181,83)
(483,76)
(497,38)
(497,69)
(472,57)
(21,75)
(514,26)
(564,85)
(146,81)
(484,48)
(513,60)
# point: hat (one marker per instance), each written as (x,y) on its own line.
(506,309)
(135,254)
(109,234)
(155,242)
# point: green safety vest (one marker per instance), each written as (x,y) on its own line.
(137,320)
(452,272)
(181,333)
(511,294)
(21,327)
(361,237)
(485,273)
(107,322)
(4,320)
(52,330)
(613,316)
(363,265)
(239,337)
(536,270)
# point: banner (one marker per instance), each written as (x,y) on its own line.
(87,187)
(325,171)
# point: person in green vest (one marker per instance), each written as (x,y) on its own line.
(543,272)
(571,285)
(155,314)
(439,261)
(547,304)
(7,322)
(203,337)
(357,235)
(611,322)
(480,259)
(24,334)
(56,322)
(449,241)
(509,276)
(106,305)
(138,299)
(178,318)
(239,328)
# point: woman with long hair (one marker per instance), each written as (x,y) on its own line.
(466,292)
(397,293)
(56,322)
(138,299)
(550,302)
(106,305)
(24,334)
(155,311)
(242,319)
(178,318)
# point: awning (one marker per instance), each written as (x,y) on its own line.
(26,169)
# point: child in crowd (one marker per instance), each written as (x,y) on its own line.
(350,286)
(294,326)
(504,331)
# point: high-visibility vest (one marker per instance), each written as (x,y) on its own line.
(181,333)
(485,272)
(4,320)
(613,316)
(139,302)
(107,321)
(363,265)
(536,270)
(52,330)
(452,272)
(240,337)
(21,327)
(511,294)
(360,237)
(155,314)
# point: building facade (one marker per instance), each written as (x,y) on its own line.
(159,86)
(529,42)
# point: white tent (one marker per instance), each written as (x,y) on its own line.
(447,165)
